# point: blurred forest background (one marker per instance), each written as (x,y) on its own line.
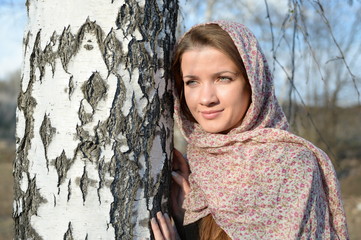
(313,48)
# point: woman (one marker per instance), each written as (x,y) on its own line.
(250,178)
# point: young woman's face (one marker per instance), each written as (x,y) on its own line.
(215,91)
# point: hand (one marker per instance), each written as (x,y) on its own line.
(162,228)
(180,164)
(180,185)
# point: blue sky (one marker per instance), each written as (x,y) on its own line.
(13,18)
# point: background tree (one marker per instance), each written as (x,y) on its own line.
(94,119)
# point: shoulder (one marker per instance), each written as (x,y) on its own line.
(298,156)
(296,151)
(291,158)
(287,151)
(280,160)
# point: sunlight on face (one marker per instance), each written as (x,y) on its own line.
(216,93)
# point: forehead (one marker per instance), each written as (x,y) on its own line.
(206,58)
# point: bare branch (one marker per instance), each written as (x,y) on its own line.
(325,20)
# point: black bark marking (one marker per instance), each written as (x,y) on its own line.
(155,188)
(70,44)
(152,23)
(46,134)
(69,190)
(124,189)
(49,56)
(71,87)
(34,199)
(90,27)
(88,47)
(67,47)
(129,14)
(30,202)
(27,4)
(26,40)
(94,89)
(113,51)
(37,58)
(116,122)
(84,183)
(90,150)
(62,166)
(102,134)
(84,116)
(31,199)
(69,233)
(101,173)
(103,169)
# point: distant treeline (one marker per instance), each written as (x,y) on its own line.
(7,121)
(336,130)
(9,91)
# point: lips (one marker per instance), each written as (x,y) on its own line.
(209,115)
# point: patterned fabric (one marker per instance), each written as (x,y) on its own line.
(259,181)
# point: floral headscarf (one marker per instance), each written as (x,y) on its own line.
(259,181)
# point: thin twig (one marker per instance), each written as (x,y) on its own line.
(329,28)
(292,79)
(305,37)
(272,35)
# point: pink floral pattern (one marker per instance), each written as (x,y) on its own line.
(260,181)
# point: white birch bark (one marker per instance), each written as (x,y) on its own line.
(94,119)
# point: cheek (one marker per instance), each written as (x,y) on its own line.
(247,96)
(239,98)
(190,98)
(230,96)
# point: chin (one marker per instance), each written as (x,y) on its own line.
(218,128)
(215,130)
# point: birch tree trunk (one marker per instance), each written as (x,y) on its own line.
(94,119)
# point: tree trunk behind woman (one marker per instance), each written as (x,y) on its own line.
(94,119)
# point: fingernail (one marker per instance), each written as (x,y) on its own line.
(175,174)
(159,214)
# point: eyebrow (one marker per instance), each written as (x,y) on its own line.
(215,74)
(189,76)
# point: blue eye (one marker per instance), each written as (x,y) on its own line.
(190,83)
(224,79)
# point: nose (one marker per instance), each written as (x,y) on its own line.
(208,95)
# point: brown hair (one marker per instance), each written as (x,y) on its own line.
(209,230)
(209,35)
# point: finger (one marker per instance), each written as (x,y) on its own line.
(176,203)
(176,235)
(176,159)
(176,194)
(156,230)
(181,181)
(163,225)
(170,226)
(180,163)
